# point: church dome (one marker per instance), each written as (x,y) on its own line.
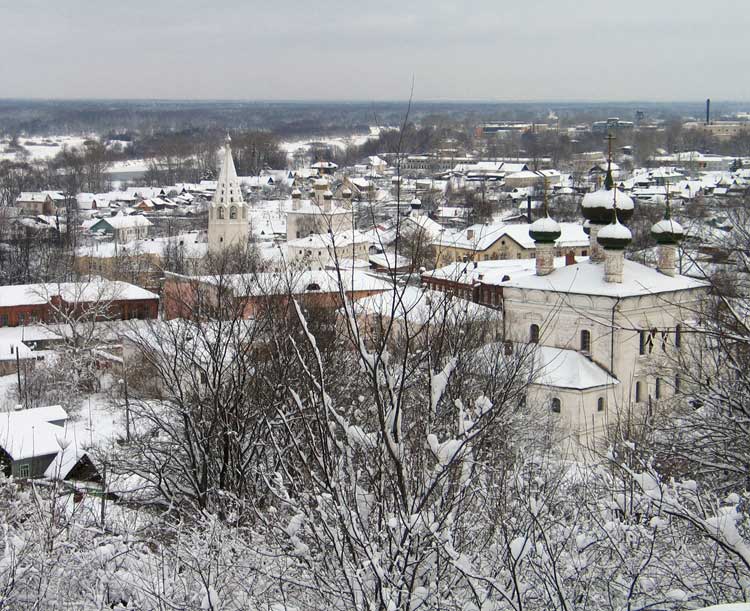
(327,194)
(416,203)
(346,193)
(587,227)
(597,206)
(296,193)
(615,236)
(667,231)
(545,230)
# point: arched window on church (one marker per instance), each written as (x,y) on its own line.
(585,341)
(233,212)
(556,405)
(534,334)
(221,212)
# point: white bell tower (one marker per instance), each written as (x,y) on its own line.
(227,213)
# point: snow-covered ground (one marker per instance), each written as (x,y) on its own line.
(339,142)
(41,148)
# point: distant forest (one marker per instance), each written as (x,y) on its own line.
(299,119)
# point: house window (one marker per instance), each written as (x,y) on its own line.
(23,470)
(534,334)
(657,388)
(585,341)
(556,405)
(3,320)
(508,348)
(637,392)
(677,336)
(600,404)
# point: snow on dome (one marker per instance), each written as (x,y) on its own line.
(545,230)
(416,203)
(296,193)
(327,194)
(614,236)
(667,231)
(597,206)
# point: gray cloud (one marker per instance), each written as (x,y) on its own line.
(332,49)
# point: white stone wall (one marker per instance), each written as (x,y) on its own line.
(615,326)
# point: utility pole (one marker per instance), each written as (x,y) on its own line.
(104,491)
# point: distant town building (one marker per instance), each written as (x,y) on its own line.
(123,228)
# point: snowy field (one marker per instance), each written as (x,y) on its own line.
(41,148)
(340,142)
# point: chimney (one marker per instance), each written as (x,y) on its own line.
(570,258)
(708,111)
(528,208)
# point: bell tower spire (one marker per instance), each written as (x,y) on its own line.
(227,213)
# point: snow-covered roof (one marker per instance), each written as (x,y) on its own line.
(562,368)
(16,341)
(423,223)
(296,283)
(308,206)
(389,260)
(189,244)
(95,289)
(587,278)
(125,222)
(28,196)
(500,271)
(423,306)
(340,239)
(26,433)
(484,236)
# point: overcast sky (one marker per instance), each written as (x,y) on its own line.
(353,50)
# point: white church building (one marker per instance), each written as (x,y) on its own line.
(608,329)
(227,213)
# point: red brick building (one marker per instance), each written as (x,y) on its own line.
(27,304)
(246,295)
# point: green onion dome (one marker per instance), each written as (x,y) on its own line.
(545,230)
